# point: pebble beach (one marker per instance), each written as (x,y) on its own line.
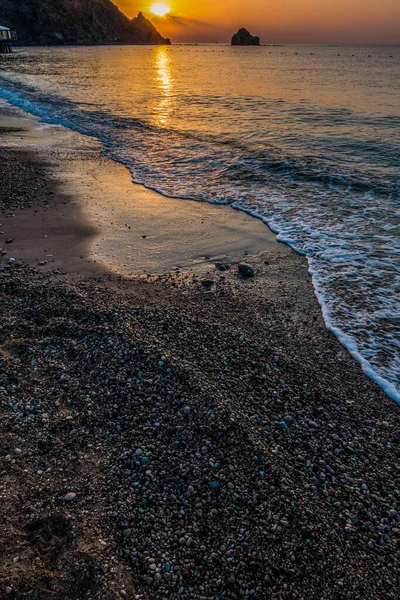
(193,434)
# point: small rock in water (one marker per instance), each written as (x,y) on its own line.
(186,410)
(70,496)
(214,484)
(246,270)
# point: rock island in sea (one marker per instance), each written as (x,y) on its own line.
(244,38)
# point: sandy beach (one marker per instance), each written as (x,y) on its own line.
(100,215)
(169,428)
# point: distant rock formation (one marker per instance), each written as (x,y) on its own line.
(144,32)
(244,38)
(76,22)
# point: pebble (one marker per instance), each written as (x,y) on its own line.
(70,496)
(246,270)
(220,266)
(348,529)
(207,283)
(284,523)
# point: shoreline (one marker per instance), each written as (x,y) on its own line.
(245,234)
(123,226)
(159,433)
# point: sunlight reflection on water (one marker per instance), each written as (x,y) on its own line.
(162,60)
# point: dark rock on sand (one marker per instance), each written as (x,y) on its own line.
(207,283)
(244,38)
(246,270)
(221,266)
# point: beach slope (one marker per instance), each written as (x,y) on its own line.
(183,432)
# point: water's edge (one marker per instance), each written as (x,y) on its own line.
(17,100)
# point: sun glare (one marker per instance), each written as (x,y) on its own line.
(159,9)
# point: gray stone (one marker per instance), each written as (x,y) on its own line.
(70,496)
(246,270)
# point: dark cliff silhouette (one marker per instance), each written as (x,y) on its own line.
(76,22)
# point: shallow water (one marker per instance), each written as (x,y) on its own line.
(305,137)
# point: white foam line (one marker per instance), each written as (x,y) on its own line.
(350,345)
(346,341)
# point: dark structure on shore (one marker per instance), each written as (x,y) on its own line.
(71,22)
(244,38)
(6,35)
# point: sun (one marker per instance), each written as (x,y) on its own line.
(160,10)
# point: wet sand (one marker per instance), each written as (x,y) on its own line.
(189,434)
(99,215)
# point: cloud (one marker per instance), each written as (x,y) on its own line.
(172,20)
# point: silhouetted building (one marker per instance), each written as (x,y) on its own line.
(6,36)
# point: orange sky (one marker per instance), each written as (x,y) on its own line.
(277,21)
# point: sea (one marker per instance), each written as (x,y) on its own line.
(306,138)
